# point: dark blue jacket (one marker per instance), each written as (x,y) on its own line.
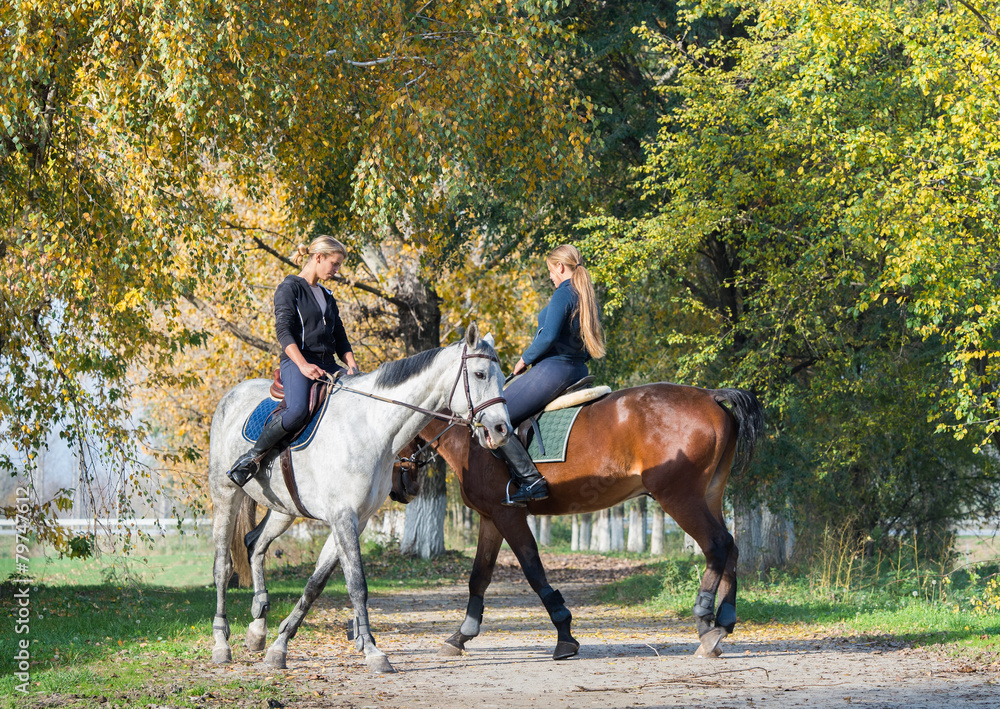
(558,333)
(298,320)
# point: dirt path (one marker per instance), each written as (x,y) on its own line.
(626,659)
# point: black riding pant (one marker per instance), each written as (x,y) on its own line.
(529,393)
(297,387)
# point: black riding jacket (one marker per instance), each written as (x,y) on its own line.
(298,320)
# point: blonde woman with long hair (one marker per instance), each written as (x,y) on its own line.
(569,334)
(309,329)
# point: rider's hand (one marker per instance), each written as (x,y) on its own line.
(312,371)
(520,366)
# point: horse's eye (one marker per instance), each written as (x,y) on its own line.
(480,375)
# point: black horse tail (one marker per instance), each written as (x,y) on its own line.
(749,415)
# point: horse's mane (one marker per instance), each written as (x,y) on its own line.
(394,373)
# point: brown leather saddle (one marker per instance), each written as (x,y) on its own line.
(317,396)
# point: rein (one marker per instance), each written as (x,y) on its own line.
(463,375)
(414,461)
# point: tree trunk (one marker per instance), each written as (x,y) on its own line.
(586,532)
(618,527)
(533,526)
(765,539)
(423,528)
(419,310)
(601,540)
(574,534)
(544,531)
(656,542)
(637,526)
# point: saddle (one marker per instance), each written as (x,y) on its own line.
(576,394)
(317,395)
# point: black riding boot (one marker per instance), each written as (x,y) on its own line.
(249,463)
(531,484)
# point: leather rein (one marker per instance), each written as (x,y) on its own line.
(463,375)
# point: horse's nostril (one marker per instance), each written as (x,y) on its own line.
(501,428)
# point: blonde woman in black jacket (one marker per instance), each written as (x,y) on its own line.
(310,332)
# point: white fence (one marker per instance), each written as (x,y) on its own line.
(113,526)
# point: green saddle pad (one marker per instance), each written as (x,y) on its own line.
(554,427)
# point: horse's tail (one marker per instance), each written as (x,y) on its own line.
(749,415)
(245,523)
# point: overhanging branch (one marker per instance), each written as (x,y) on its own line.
(339,279)
(232,328)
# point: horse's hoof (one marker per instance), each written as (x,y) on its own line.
(565,649)
(710,643)
(222,655)
(379,663)
(449,650)
(276,659)
(255,641)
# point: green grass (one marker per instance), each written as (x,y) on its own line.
(949,615)
(102,627)
(133,630)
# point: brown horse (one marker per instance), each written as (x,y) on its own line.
(675,443)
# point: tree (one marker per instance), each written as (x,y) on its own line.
(823,208)
(125,127)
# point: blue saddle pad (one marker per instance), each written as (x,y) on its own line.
(554,428)
(259,416)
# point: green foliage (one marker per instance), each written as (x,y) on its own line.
(822,230)
(81,546)
(126,129)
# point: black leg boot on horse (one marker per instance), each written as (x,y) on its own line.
(531,484)
(249,463)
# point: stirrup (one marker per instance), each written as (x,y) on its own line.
(508,502)
(243,471)
(536,491)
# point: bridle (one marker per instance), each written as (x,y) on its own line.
(472,419)
(463,375)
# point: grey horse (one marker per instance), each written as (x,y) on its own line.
(343,476)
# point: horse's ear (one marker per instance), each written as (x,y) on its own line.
(488,339)
(472,336)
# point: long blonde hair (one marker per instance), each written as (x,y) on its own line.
(320,245)
(590,313)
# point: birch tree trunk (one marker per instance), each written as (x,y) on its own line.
(544,531)
(637,525)
(618,528)
(656,541)
(586,532)
(601,540)
(574,533)
(765,540)
(419,312)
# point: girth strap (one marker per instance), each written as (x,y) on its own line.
(289,475)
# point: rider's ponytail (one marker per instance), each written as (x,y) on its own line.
(590,314)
